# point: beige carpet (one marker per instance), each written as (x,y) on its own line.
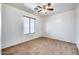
(42,46)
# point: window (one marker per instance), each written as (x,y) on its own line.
(28,25)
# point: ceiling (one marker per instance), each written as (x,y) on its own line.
(58,7)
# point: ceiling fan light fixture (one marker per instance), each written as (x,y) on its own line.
(44,11)
(44,8)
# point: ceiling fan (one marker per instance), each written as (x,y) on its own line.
(44,8)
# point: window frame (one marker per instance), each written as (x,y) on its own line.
(30,24)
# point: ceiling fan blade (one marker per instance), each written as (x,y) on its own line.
(39,10)
(36,8)
(49,4)
(39,6)
(51,9)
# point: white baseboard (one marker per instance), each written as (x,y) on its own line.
(59,39)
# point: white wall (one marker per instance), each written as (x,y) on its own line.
(60,26)
(77,27)
(12,26)
(0,28)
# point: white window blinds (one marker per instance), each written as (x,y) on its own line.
(28,25)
